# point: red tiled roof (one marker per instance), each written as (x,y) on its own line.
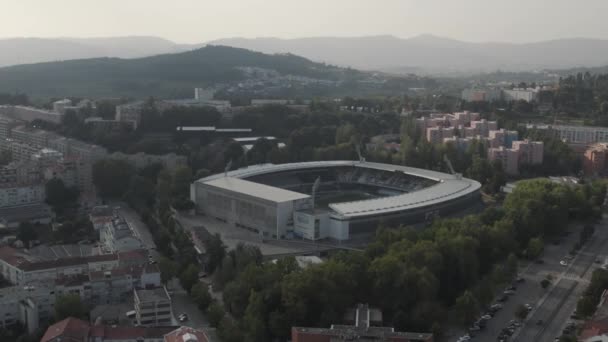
(128,333)
(17,259)
(177,335)
(129,256)
(594,328)
(10,255)
(68,330)
(74,280)
(134,271)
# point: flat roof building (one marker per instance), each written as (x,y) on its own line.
(361,329)
(152,307)
(261,208)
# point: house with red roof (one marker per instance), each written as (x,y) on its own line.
(75,330)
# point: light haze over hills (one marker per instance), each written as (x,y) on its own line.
(423,54)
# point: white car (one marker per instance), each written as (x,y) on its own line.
(563,263)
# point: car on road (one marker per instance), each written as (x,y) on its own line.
(563,263)
(508,292)
(486,317)
(521,280)
(182,317)
(464,338)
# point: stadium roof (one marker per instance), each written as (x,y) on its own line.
(445,190)
(269,193)
(448,187)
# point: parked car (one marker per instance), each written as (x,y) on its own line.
(496,307)
(563,263)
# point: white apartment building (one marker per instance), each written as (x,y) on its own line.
(31,136)
(62,105)
(30,114)
(130,112)
(152,307)
(117,236)
(27,304)
(96,279)
(581,134)
(520,94)
(19,195)
(6,125)
(19,151)
(77,149)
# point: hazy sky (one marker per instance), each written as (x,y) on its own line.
(194,21)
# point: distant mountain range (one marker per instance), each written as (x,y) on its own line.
(166,76)
(421,54)
(427,53)
(36,50)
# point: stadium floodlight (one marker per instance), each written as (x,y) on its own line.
(228,166)
(315,186)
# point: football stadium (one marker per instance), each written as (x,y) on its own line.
(330,199)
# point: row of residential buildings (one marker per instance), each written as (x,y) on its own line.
(72,330)
(463,128)
(98,279)
(39,156)
(131,112)
(499,94)
(118,270)
(362,324)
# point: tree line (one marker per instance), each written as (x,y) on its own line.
(419,278)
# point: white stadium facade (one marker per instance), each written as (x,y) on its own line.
(351,198)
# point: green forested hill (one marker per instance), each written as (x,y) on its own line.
(169,75)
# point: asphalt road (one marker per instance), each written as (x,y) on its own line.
(554,305)
(182,303)
(559,304)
